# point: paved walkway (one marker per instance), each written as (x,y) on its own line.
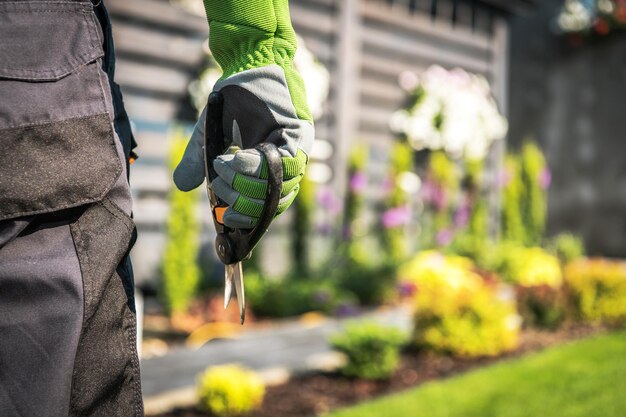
(277,352)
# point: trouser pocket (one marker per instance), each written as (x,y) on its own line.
(58,147)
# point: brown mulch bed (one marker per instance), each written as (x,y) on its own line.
(318,393)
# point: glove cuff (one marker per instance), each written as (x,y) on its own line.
(238,48)
(241,33)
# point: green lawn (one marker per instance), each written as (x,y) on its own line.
(581,379)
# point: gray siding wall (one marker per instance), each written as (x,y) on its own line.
(572,101)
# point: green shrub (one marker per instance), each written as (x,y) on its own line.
(524,204)
(534,201)
(567,247)
(291,297)
(513,228)
(229,390)
(181,275)
(372,350)
(303,210)
(354,204)
(371,285)
(598,289)
(473,246)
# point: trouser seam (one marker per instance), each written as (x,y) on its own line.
(76,225)
(132,338)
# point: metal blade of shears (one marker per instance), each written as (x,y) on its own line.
(239,289)
(229,273)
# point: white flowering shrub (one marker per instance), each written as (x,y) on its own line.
(316,78)
(452,111)
(200,88)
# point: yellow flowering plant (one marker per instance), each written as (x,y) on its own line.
(229,390)
(457,311)
(598,289)
(531,267)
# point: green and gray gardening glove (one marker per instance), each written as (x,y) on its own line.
(264,101)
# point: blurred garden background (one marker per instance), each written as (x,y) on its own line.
(464,204)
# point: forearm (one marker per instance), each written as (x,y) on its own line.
(247,34)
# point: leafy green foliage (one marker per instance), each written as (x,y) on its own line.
(291,297)
(446,179)
(302,220)
(534,200)
(524,204)
(372,349)
(354,204)
(456,215)
(355,270)
(394,237)
(229,390)
(598,289)
(181,275)
(513,228)
(371,284)
(568,247)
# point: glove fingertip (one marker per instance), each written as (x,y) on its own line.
(237,220)
(185,180)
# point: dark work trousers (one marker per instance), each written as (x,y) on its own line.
(67,316)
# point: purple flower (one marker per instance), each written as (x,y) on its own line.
(504,177)
(387,185)
(545,178)
(328,200)
(358,182)
(396,217)
(427,191)
(346,308)
(444,237)
(462,215)
(324,229)
(346,232)
(439,198)
(321,297)
(406,288)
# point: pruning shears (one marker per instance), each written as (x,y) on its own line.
(235,245)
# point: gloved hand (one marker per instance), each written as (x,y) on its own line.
(257,108)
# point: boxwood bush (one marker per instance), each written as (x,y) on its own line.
(372,349)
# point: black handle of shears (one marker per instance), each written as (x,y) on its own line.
(235,245)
